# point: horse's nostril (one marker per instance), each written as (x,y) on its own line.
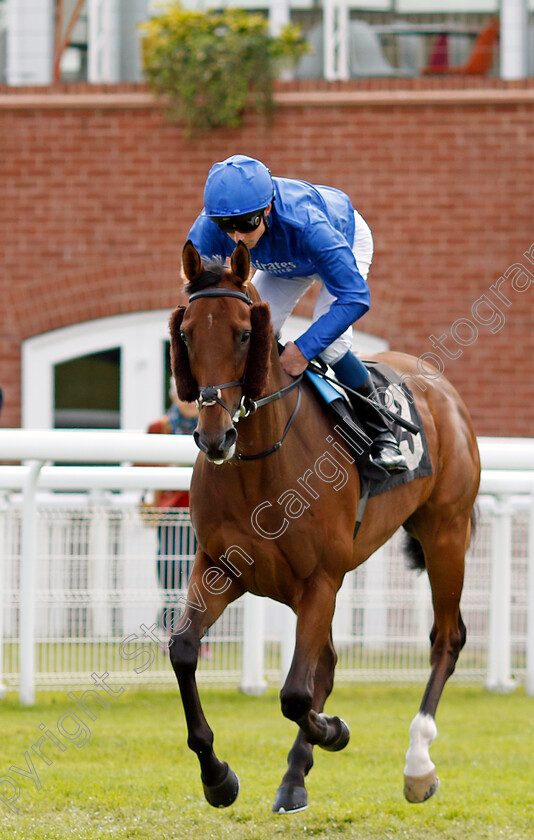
(199,442)
(217,448)
(230,438)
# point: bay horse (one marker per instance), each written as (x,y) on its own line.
(264,525)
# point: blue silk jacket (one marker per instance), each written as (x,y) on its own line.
(311,232)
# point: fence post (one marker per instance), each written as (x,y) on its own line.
(375,610)
(99,553)
(530,604)
(498,676)
(252,674)
(287,642)
(27,586)
(3,517)
(422,606)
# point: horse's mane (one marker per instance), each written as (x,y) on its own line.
(211,275)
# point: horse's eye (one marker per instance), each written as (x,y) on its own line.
(245,335)
(183,337)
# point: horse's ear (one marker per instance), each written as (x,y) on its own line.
(240,262)
(191,261)
(259,354)
(186,384)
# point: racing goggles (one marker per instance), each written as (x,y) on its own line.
(247,223)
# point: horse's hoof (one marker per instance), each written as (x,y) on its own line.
(289,799)
(420,788)
(225,793)
(342,739)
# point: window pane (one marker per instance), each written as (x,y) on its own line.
(87,391)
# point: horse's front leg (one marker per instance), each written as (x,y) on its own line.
(208,595)
(305,691)
(292,795)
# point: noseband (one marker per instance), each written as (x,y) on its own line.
(211,394)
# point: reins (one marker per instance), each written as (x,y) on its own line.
(319,368)
(276,446)
(211,394)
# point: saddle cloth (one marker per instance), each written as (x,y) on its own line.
(396,395)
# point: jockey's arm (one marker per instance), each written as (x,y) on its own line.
(329,327)
(336,265)
(292,360)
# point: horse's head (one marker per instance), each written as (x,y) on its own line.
(220,347)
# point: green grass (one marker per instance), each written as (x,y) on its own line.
(136,777)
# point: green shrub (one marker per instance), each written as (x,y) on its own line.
(211,66)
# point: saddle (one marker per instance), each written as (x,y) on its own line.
(406,425)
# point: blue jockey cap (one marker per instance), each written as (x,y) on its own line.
(237,185)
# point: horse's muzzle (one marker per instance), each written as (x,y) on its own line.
(218,448)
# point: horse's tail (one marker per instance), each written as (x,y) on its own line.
(415,557)
(414,550)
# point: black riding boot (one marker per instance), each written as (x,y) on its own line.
(384,450)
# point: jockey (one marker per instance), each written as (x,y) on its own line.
(298,233)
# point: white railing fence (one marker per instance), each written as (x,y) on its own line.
(80,593)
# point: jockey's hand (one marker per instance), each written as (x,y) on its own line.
(292,360)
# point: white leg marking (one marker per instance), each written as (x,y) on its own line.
(423,730)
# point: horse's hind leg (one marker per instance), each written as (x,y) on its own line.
(444,555)
(292,795)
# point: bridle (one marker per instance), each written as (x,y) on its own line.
(211,394)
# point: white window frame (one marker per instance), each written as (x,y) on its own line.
(140,337)
(30,41)
(104,41)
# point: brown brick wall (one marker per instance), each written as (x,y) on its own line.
(97,195)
